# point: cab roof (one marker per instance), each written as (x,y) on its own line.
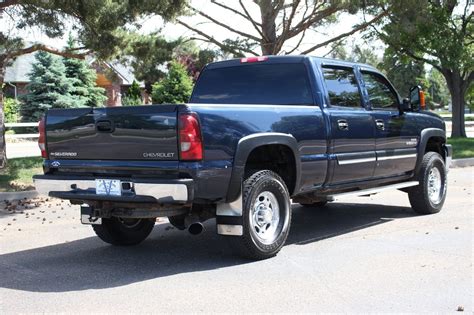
(286,59)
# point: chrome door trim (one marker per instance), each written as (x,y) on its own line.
(394,157)
(355,161)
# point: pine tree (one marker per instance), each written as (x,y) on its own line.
(48,88)
(83,78)
(176,87)
(133,95)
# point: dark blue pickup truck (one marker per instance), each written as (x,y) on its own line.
(257,134)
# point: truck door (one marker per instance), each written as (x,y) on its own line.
(351,142)
(396,137)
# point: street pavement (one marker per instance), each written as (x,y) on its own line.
(368,254)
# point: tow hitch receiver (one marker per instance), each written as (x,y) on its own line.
(87,216)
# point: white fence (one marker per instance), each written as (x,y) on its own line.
(23,135)
(469,126)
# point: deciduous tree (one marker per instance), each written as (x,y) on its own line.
(98,24)
(277,22)
(403,72)
(439,33)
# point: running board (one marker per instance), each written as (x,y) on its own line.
(370,191)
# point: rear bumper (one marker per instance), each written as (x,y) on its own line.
(172,191)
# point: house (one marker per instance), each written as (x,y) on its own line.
(114,77)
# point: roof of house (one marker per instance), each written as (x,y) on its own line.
(123,71)
(21,67)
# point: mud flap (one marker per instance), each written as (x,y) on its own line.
(229,218)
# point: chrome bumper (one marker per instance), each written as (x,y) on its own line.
(162,191)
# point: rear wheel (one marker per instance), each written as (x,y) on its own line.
(123,231)
(266,216)
(429,196)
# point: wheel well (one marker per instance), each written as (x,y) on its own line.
(435,144)
(276,157)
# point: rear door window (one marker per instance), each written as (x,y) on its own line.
(275,84)
(342,86)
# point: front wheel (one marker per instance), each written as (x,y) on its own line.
(266,216)
(429,196)
(124,232)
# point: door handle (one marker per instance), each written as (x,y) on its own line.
(379,123)
(342,124)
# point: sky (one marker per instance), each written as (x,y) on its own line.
(173,30)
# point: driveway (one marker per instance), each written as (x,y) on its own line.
(369,254)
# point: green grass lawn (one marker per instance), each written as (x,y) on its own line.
(18,174)
(462,147)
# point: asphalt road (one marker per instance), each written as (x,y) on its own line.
(368,254)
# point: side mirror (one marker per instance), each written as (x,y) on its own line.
(417,98)
(405,106)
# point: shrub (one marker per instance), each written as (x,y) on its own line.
(11,108)
(133,95)
(176,87)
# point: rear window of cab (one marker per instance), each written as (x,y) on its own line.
(275,84)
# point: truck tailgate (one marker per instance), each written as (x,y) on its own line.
(114,133)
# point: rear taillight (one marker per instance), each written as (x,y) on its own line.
(42,138)
(190,141)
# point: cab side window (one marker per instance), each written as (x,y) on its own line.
(342,87)
(381,96)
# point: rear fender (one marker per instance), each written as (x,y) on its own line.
(246,145)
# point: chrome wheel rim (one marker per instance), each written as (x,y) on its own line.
(435,191)
(265,217)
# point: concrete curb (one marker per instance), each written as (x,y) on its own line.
(18,195)
(462,162)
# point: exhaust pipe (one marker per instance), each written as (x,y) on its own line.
(196,228)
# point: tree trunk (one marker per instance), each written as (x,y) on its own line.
(3,152)
(268,43)
(455,85)
(459,128)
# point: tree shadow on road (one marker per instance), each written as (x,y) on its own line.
(90,264)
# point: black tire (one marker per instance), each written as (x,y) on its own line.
(124,232)
(423,198)
(271,189)
(319,204)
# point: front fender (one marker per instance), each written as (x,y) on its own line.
(426,134)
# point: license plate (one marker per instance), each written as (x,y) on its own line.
(109,187)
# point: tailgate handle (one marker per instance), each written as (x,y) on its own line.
(104,126)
